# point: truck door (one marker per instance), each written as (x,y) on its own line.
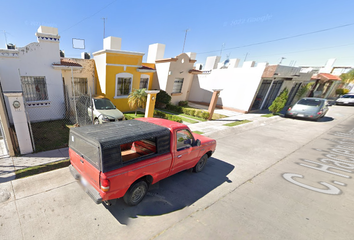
(184,154)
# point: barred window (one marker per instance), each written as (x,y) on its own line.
(80,86)
(34,88)
(144,83)
(123,86)
(177,85)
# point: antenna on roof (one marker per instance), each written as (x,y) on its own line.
(104,27)
(185,37)
(222,47)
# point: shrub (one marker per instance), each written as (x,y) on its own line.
(279,103)
(198,113)
(186,111)
(205,115)
(192,112)
(159,114)
(183,103)
(174,118)
(341,91)
(163,97)
(174,108)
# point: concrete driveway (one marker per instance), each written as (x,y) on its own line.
(242,194)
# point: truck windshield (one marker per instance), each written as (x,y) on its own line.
(103,104)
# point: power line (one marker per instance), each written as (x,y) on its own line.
(284,38)
(89,16)
(308,50)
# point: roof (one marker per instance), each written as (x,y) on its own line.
(325,77)
(195,71)
(64,62)
(116,133)
(146,69)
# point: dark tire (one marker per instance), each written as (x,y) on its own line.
(135,193)
(201,164)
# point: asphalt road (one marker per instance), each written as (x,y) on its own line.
(286,179)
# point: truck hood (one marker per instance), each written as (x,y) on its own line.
(202,138)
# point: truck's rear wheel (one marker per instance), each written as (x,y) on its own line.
(135,193)
(201,164)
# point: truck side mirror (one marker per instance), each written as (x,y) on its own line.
(197,143)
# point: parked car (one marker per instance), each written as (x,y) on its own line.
(346,99)
(102,108)
(309,108)
(121,159)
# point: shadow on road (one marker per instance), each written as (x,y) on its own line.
(175,192)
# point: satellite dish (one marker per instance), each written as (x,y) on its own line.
(226,63)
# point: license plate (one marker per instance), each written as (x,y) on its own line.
(83,181)
(301,115)
(346,102)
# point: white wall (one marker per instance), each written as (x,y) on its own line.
(239,86)
(36,59)
(100,62)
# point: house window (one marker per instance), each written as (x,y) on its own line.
(144,81)
(123,84)
(34,88)
(80,86)
(177,85)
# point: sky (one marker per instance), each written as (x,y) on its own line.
(304,33)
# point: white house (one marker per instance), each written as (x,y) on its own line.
(29,70)
(245,88)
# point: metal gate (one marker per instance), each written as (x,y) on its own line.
(273,93)
(292,93)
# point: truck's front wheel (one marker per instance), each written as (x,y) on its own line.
(135,193)
(201,164)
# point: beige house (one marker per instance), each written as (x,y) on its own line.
(173,75)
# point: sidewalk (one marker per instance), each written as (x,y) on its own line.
(8,165)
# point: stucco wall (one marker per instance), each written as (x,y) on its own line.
(109,65)
(239,86)
(36,59)
(167,72)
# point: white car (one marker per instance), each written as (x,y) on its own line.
(102,108)
(346,99)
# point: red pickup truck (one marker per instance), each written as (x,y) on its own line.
(122,159)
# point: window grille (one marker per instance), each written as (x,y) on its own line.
(34,88)
(123,86)
(177,85)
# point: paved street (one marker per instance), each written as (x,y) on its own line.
(282,179)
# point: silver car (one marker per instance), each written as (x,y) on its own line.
(308,108)
(100,110)
(346,99)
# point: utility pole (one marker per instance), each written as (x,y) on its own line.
(245,57)
(104,27)
(5,37)
(222,47)
(185,37)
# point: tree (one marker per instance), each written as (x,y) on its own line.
(279,103)
(347,77)
(137,98)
